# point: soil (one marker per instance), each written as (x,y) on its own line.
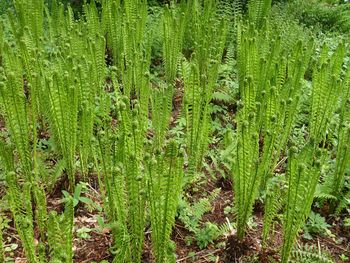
(227,249)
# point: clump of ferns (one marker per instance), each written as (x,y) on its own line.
(162,98)
(121,175)
(24,11)
(273,204)
(131,46)
(164,189)
(258,11)
(302,177)
(304,167)
(17,112)
(70,97)
(124,160)
(200,75)
(269,101)
(88,60)
(54,230)
(343,134)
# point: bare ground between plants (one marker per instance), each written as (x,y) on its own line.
(97,246)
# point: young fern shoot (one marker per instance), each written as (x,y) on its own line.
(343,149)
(200,74)
(164,189)
(304,169)
(269,86)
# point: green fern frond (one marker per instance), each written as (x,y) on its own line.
(273,204)
(343,150)
(14,101)
(258,11)
(310,254)
(325,91)
(164,190)
(20,202)
(303,174)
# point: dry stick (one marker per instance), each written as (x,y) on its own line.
(199,254)
(280,162)
(334,245)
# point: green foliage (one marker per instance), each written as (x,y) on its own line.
(316,224)
(16,111)
(273,204)
(208,33)
(56,229)
(4,6)
(258,11)
(343,151)
(30,16)
(269,78)
(62,104)
(326,17)
(207,234)
(164,189)
(60,234)
(174,21)
(191,216)
(302,176)
(120,154)
(304,169)
(310,254)
(161,108)
(20,202)
(325,91)
(136,95)
(343,202)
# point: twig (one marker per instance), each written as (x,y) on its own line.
(198,254)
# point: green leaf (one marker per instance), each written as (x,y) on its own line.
(85,200)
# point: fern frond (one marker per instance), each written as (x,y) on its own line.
(164,190)
(310,254)
(303,174)
(325,91)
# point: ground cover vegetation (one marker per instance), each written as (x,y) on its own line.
(178,131)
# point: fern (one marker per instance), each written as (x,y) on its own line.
(164,190)
(41,217)
(20,202)
(273,204)
(305,168)
(191,214)
(222,96)
(325,91)
(16,109)
(62,104)
(161,100)
(200,76)
(55,229)
(269,89)
(310,254)
(30,14)
(120,155)
(173,30)
(343,151)
(343,202)
(303,174)
(259,10)
(60,234)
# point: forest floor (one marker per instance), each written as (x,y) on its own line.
(92,242)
